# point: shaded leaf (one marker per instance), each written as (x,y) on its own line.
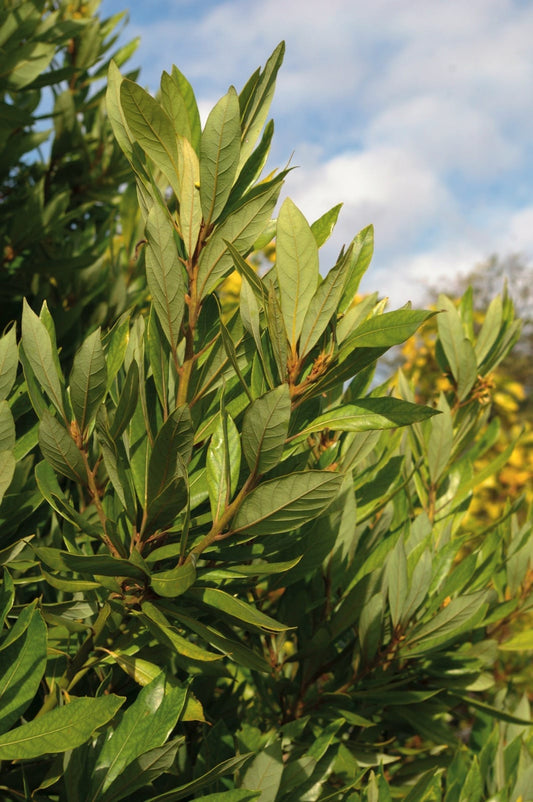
(59,449)
(164,273)
(88,380)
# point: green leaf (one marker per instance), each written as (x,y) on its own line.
(38,350)
(323,227)
(236,608)
(440,443)
(8,463)
(8,361)
(88,380)
(490,329)
(521,642)
(462,614)
(457,348)
(255,100)
(59,730)
(151,128)
(127,401)
(241,229)
(219,155)
(264,773)
(7,594)
(223,464)
(227,766)
(69,585)
(99,564)
(276,331)
(281,505)
(190,104)
(384,331)
(59,449)
(265,428)
(190,213)
(247,272)
(143,770)
(145,725)
(52,493)
(164,273)
(173,103)
(323,306)
(167,634)
(175,581)
(296,268)
(361,251)
(368,414)
(22,666)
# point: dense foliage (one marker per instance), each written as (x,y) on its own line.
(234,568)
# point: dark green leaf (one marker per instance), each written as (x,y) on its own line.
(220,770)
(164,273)
(38,351)
(59,449)
(265,428)
(244,613)
(8,361)
(88,380)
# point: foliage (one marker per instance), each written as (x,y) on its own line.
(66,235)
(230,568)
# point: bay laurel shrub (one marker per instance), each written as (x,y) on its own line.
(233,566)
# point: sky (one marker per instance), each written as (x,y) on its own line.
(416,114)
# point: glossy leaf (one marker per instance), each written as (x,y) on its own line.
(167,634)
(265,428)
(225,767)
(146,724)
(164,273)
(362,249)
(143,770)
(99,564)
(219,155)
(280,505)
(368,414)
(175,581)
(296,268)
(244,613)
(88,380)
(59,730)
(22,665)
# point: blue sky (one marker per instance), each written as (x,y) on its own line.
(417,114)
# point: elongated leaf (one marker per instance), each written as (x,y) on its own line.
(247,272)
(127,401)
(59,449)
(114,110)
(8,362)
(461,615)
(276,331)
(189,196)
(143,770)
(219,155)
(440,441)
(175,581)
(265,428)
(223,464)
(255,100)
(173,103)
(167,634)
(190,104)
(219,770)
(88,380)
(368,414)
(151,128)
(490,329)
(59,730)
(50,490)
(7,594)
(296,268)
(99,564)
(236,608)
(323,306)
(146,724)
(362,249)
(69,585)
(241,228)
(164,273)
(38,352)
(22,665)
(387,330)
(8,463)
(284,504)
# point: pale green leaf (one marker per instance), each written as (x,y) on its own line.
(323,227)
(255,100)
(190,212)
(219,155)
(296,268)
(173,103)
(7,428)
(223,464)
(164,273)
(265,428)
(264,773)
(59,730)
(362,249)
(167,634)
(151,128)
(175,581)
(187,93)
(440,443)
(323,306)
